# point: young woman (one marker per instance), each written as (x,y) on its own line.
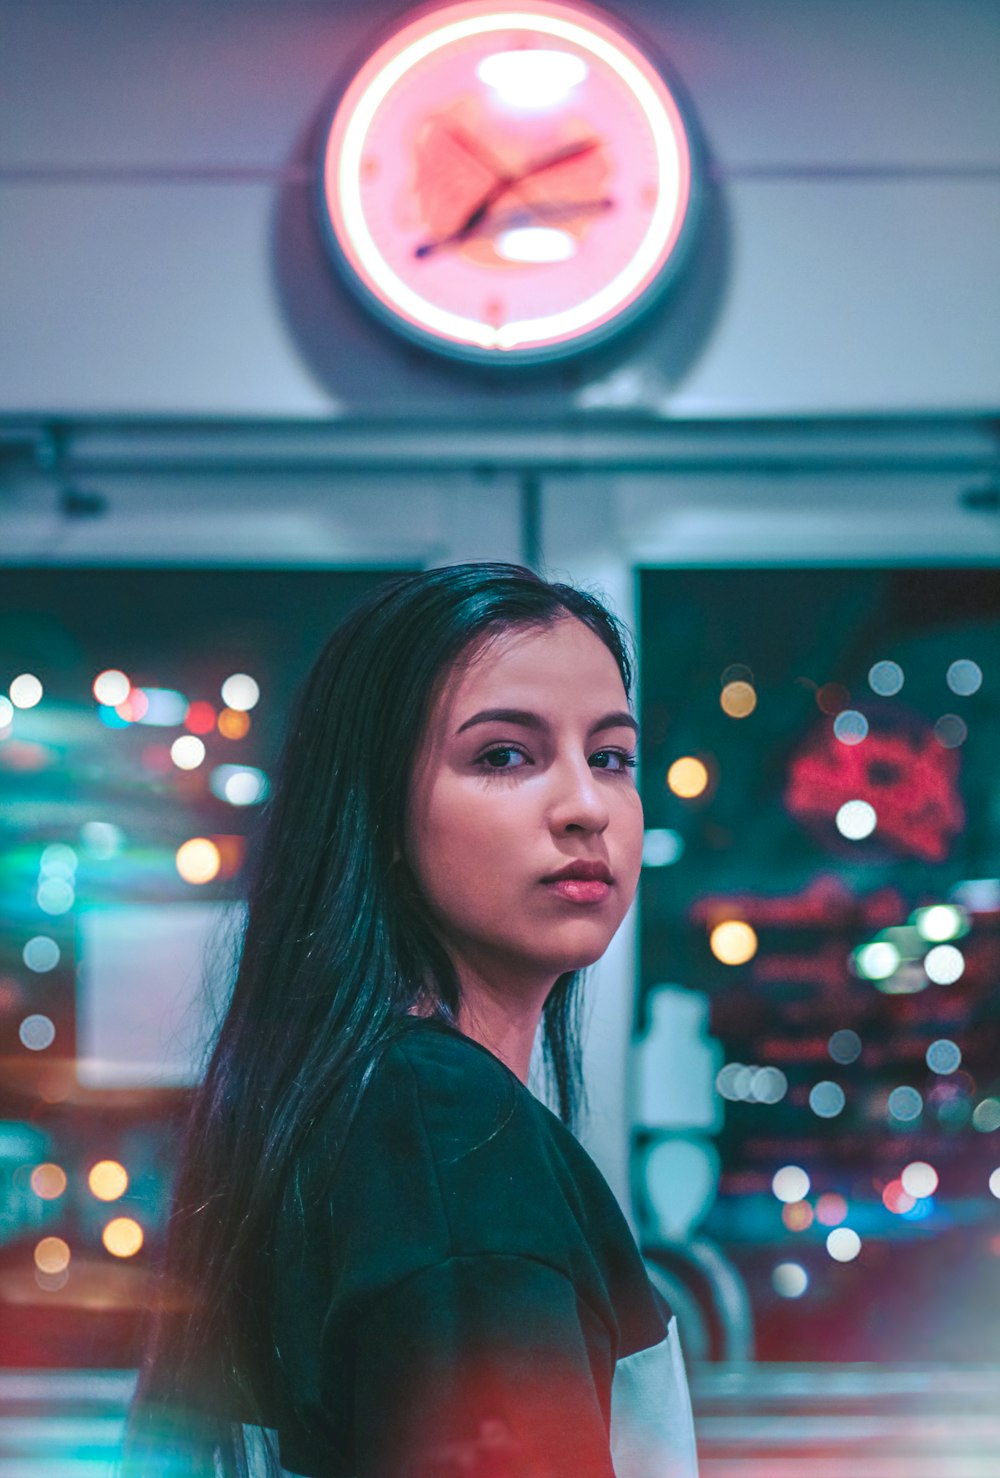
(385,1251)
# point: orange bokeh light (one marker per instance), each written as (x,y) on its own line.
(687,777)
(198,860)
(108,1180)
(233,723)
(797,1215)
(48,1181)
(122,1237)
(52,1255)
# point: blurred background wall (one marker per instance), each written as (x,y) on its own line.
(784,476)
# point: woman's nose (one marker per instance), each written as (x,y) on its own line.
(578,802)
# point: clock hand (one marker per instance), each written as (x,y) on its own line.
(499,188)
(559,156)
(521,215)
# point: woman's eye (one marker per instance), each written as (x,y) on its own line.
(502,757)
(615,760)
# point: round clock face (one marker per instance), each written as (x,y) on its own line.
(507,183)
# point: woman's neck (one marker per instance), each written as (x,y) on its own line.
(504,1023)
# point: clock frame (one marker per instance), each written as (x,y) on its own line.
(509,184)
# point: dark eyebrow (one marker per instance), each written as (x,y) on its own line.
(528,720)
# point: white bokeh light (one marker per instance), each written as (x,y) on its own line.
(26,690)
(240,691)
(944,964)
(111,687)
(919,1179)
(843,1244)
(790,1183)
(856,820)
(187,752)
(790,1280)
(878,960)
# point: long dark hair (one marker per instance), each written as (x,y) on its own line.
(336,948)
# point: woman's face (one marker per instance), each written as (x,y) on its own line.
(524,772)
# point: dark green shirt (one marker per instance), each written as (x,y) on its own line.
(467,1292)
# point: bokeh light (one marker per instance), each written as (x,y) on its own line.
(850,726)
(886,679)
(944,1056)
(826,1099)
(6,712)
(738,699)
(687,777)
(233,723)
(200,718)
(944,964)
(240,691)
(165,708)
(897,1199)
(52,1255)
(58,860)
(239,785)
(964,677)
(108,1180)
(878,960)
(919,1179)
(831,698)
(856,820)
(187,752)
(843,1244)
(986,1115)
(950,731)
(48,1181)
(797,1216)
(41,954)
(790,1280)
(26,690)
(905,1104)
(845,1045)
(831,1209)
(790,1183)
(122,1237)
(661,847)
(994,1183)
(768,1085)
(134,707)
(940,922)
(198,860)
(55,896)
(102,839)
(111,687)
(37,1032)
(733,942)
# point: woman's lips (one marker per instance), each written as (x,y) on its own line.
(580,890)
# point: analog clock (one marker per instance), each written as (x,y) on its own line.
(508,183)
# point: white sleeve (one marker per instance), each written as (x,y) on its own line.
(652,1428)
